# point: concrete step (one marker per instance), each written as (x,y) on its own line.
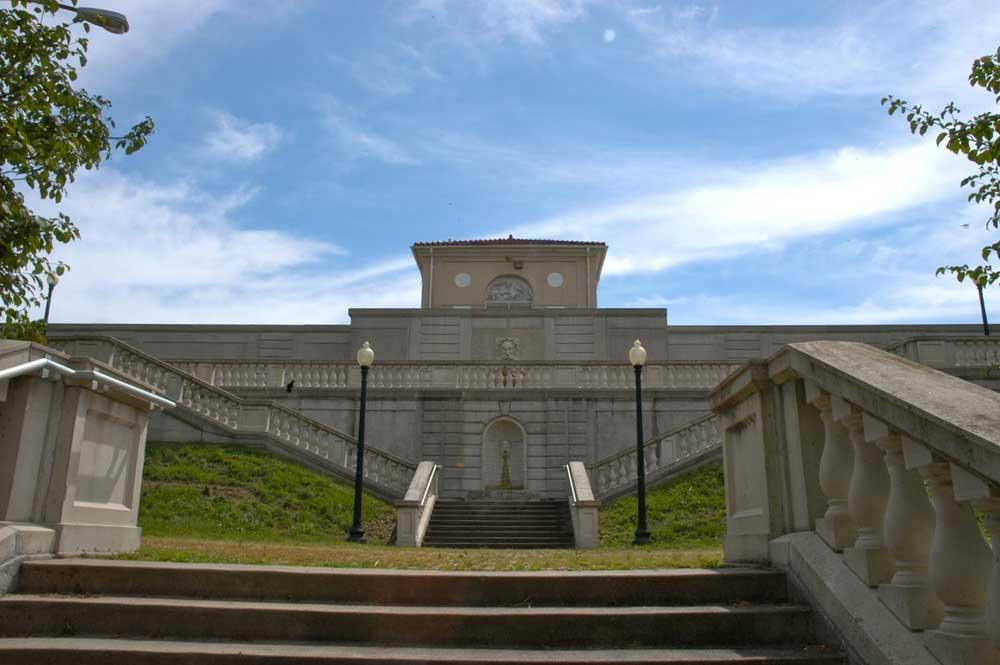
(444,529)
(517,510)
(401,587)
(498,542)
(501,539)
(479,545)
(508,627)
(95,651)
(500,524)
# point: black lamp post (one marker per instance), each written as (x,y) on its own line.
(637,356)
(365,359)
(982,309)
(52,279)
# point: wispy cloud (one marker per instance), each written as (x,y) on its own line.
(521,21)
(359,142)
(919,49)
(763,206)
(180,255)
(236,140)
(859,276)
(394,70)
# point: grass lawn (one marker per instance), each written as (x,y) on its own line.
(237,504)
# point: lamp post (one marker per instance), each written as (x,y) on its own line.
(982,308)
(365,359)
(52,279)
(637,356)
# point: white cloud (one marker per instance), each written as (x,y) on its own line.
(394,70)
(609,36)
(920,50)
(358,142)
(172,253)
(237,140)
(885,275)
(155,28)
(524,21)
(762,206)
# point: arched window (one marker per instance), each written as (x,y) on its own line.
(509,290)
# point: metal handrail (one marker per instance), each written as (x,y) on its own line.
(86,374)
(572,485)
(430,480)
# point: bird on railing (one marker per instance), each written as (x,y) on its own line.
(291,384)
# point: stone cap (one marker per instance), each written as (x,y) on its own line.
(510,240)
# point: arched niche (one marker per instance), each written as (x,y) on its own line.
(504,441)
(509,291)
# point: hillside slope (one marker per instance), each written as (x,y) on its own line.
(243,493)
(688,512)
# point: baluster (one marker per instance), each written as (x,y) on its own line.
(651,458)
(867,499)
(973,490)
(836,527)
(959,566)
(991,510)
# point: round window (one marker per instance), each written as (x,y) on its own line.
(555,280)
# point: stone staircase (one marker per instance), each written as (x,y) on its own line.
(500,524)
(80,611)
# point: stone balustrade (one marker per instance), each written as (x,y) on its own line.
(846,441)
(665,455)
(460,375)
(951,352)
(315,442)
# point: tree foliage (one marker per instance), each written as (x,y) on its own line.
(978,138)
(49,129)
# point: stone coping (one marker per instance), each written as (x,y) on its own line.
(958,419)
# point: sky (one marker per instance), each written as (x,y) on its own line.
(733,155)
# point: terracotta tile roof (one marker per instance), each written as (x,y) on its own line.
(510,240)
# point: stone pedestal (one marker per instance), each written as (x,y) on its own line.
(72,446)
(915,606)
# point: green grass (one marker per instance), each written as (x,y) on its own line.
(690,512)
(236,504)
(243,493)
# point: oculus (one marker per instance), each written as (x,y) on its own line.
(555,279)
(462,280)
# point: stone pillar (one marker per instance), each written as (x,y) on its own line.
(867,499)
(836,527)
(960,564)
(908,528)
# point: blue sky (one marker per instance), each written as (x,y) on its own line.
(733,155)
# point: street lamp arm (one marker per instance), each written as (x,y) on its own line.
(114,22)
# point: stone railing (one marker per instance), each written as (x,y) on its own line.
(842,443)
(413,512)
(665,454)
(583,507)
(313,441)
(950,352)
(459,375)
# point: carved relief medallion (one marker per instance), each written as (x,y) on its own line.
(508,348)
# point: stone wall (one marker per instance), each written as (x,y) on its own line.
(448,427)
(487,335)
